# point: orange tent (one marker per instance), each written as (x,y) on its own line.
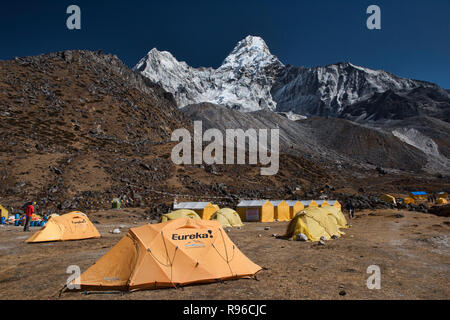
(174,253)
(71,226)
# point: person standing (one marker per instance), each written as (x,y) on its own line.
(28,216)
(350,209)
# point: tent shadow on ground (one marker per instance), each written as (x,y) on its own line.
(176,288)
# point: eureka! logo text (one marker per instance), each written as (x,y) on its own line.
(192,236)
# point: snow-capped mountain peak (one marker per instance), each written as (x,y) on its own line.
(251,79)
(252,42)
(250,50)
(243,81)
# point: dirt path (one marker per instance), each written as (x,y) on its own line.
(412,252)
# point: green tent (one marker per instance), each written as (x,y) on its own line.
(183,213)
(315,223)
(115,203)
(228,218)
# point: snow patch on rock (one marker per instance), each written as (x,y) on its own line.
(436,162)
(415,138)
(243,81)
(292,116)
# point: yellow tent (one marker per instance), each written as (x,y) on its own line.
(314,222)
(36,217)
(388,198)
(443,195)
(71,226)
(177,214)
(294,207)
(334,203)
(256,210)
(3,212)
(321,203)
(418,195)
(336,214)
(408,200)
(441,201)
(309,203)
(281,210)
(175,253)
(228,218)
(204,209)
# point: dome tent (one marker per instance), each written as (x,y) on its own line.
(3,212)
(388,199)
(442,195)
(174,253)
(336,214)
(71,226)
(177,214)
(408,200)
(203,209)
(228,218)
(115,203)
(314,222)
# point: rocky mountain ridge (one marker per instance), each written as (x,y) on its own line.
(252,79)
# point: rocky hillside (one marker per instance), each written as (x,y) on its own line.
(72,124)
(326,91)
(430,128)
(78,128)
(430,135)
(331,142)
(78,100)
(391,105)
(365,145)
(357,158)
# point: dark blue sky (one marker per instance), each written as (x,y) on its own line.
(414,41)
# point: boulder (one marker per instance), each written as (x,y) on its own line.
(441,211)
